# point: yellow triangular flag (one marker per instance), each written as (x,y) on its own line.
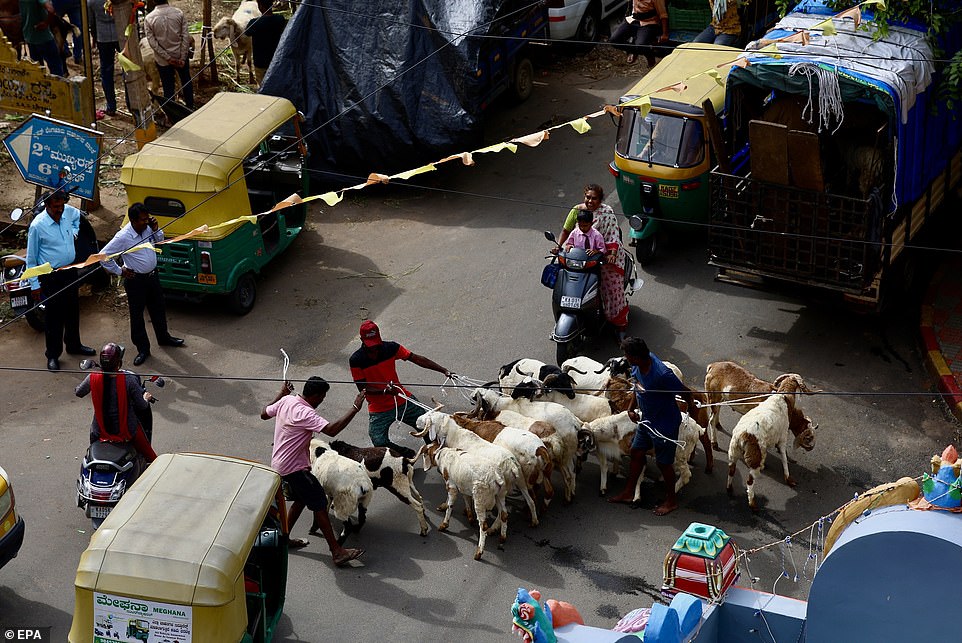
(580,125)
(880,3)
(409,173)
(827,27)
(126,63)
(293,199)
(331,198)
(36,271)
(497,147)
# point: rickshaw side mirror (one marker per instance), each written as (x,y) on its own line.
(549,235)
(635,222)
(16,214)
(86,364)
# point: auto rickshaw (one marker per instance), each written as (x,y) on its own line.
(240,154)
(196,550)
(663,159)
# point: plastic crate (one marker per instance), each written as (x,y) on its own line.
(688,19)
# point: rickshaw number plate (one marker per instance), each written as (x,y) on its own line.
(207,278)
(668,191)
(18,302)
(571,302)
(97,511)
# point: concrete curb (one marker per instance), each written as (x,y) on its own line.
(948,385)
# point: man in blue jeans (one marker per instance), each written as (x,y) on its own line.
(107,44)
(661,418)
(37,17)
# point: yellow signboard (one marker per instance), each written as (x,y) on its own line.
(27,88)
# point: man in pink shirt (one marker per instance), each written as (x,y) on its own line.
(295,423)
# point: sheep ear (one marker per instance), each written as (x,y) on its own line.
(318,451)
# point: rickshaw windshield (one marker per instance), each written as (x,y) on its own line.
(661,139)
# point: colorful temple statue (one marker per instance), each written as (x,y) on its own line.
(944,487)
(702,562)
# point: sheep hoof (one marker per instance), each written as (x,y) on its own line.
(443,526)
(790,481)
(753,506)
(714,446)
(477,554)
(424,532)
(442,507)
(730,490)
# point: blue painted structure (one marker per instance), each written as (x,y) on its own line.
(892,575)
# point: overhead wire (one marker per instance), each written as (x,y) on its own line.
(347,109)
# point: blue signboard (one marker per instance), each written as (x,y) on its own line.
(55,154)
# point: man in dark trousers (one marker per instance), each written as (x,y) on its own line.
(141,281)
(265,33)
(295,422)
(50,239)
(373,367)
(659,421)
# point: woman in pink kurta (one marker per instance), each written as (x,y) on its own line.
(613,272)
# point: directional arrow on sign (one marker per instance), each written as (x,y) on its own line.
(44,148)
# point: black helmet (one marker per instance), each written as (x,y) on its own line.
(111,356)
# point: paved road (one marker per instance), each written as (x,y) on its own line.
(452,272)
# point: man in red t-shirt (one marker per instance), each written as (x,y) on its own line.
(373,367)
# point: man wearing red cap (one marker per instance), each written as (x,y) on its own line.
(373,367)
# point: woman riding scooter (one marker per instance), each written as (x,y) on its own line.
(613,295)
(118,399)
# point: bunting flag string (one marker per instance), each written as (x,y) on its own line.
(534,139)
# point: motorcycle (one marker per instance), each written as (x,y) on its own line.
(109,468)
(18,291)
(575,280)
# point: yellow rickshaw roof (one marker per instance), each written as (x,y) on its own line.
(687,60)
(199,153)
(182,533)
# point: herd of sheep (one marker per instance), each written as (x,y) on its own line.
(541,418)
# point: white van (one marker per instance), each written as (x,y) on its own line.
(581,20)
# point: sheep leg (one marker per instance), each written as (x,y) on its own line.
(603,466)
(569,483)
(525,491)
(750,487)
(412,497)
(452,496)
(714,424)
(683,476)
(707,446)
(731,477)
(482,531)
(789,480)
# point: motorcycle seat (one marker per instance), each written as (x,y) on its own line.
(118,452)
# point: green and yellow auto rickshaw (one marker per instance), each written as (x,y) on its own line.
(663,159)
(196,550)
(239,154)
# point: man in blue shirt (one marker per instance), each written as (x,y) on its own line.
(141,281)
(50,239)
(660,416)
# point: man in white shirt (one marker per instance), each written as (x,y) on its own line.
(166,29)
(141,281)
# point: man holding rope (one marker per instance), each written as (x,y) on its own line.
(659,421)
(374,369)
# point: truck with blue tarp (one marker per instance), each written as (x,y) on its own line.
(842,153)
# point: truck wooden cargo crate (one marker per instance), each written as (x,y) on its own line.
(842,154)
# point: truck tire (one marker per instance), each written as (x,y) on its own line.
(645,249)
(522,83)
(243,296)
(589,28)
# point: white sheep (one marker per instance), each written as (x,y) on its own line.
(585,407)
(761,428)
(389,470)
(472,475)
(531,452)
(548,376)
(613,436)
(489,404)
(348,487)
(590,376)
(440,427)
(232,29)
(729,382)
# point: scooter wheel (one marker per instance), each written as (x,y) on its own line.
(565,351)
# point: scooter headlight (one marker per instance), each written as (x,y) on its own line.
(575,264)
(118,490)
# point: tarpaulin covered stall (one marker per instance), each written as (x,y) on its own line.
(383,85)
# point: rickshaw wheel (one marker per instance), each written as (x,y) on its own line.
(590,26)
(645,249)
(244,295)
(523,82)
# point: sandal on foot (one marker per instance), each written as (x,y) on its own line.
(631,58)
(349,555)
(297,543)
